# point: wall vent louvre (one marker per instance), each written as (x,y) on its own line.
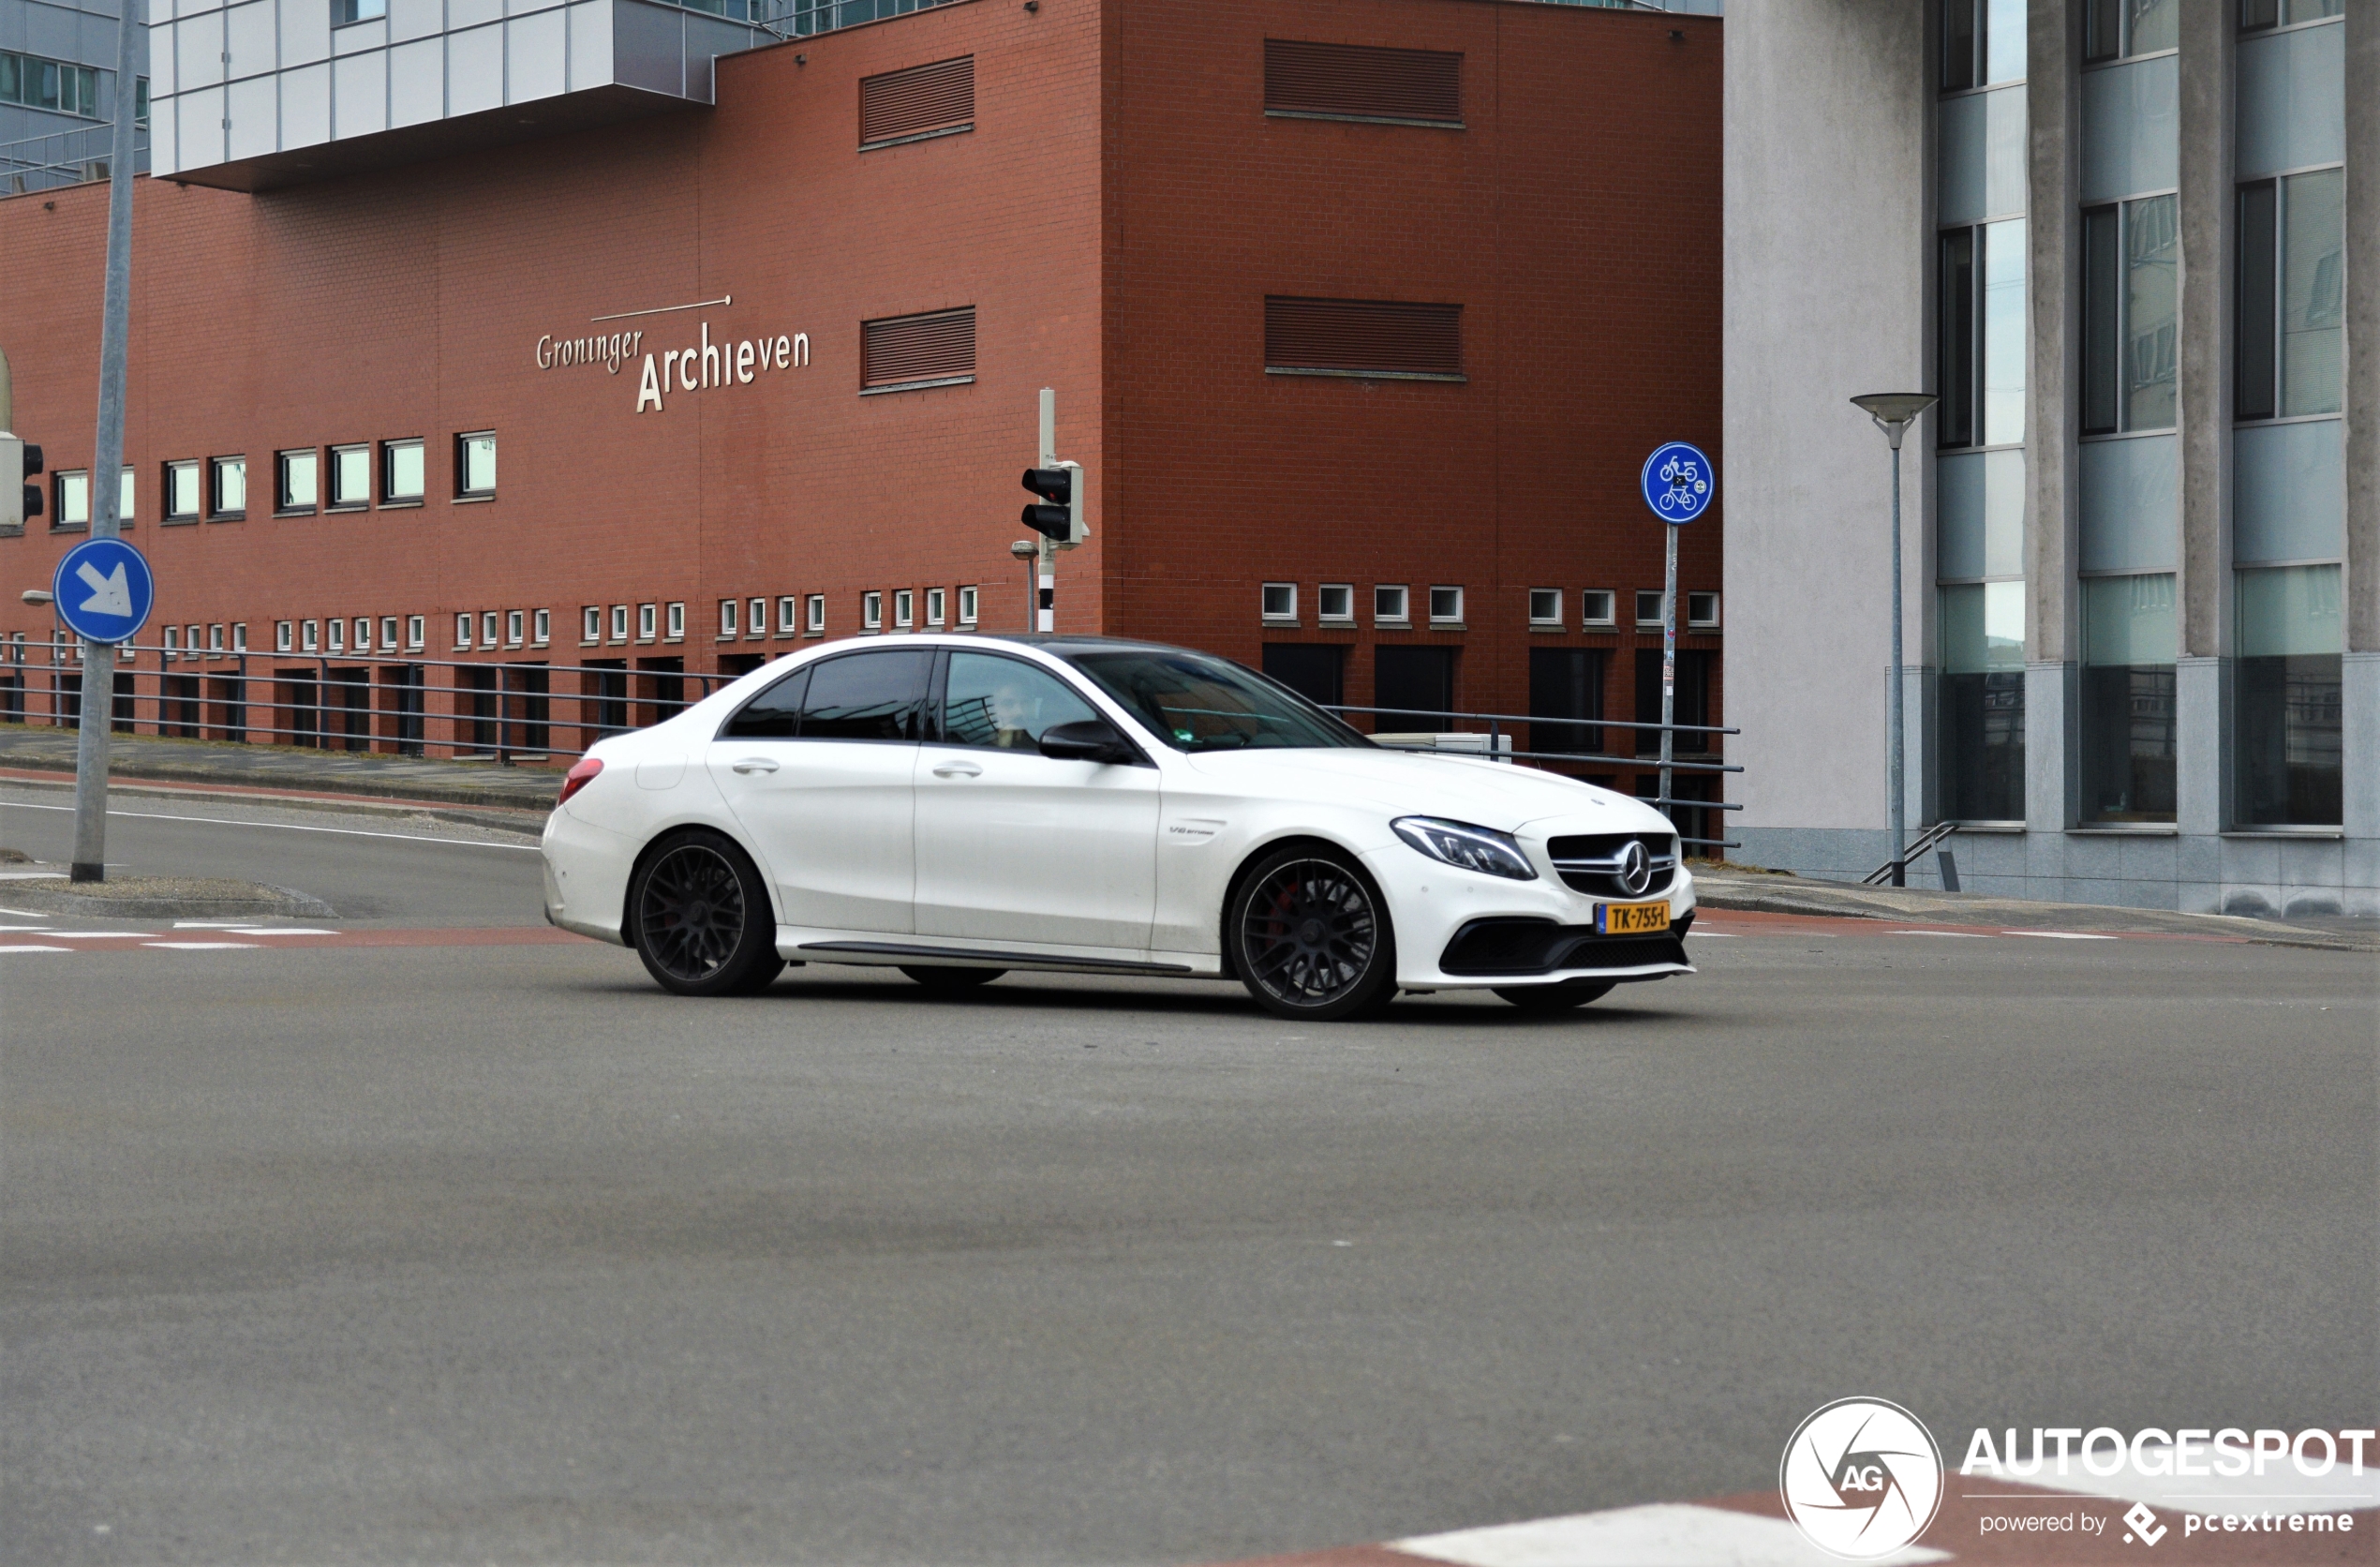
(1349,82)
(1362,336)
(905,350)
(918,102)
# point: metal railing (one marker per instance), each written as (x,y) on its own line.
(1494,741)
(65,158)
(507,710)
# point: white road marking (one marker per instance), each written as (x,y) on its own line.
(1971,935)
(211,924)
(293,827)
(1666,1534)
(273,931)
(29,947)
(203,946)
(2060,936)
(97,936)
(12,928)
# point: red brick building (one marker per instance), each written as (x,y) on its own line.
(1135,204)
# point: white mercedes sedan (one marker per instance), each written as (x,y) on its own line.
(957,807)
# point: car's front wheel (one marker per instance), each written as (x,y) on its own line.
(1311,938)
(1558,997)
(702,918)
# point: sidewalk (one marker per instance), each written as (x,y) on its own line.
(44,749)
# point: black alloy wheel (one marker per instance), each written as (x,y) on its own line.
(950,982)
(1558,997)
(1311,937)
(702,918)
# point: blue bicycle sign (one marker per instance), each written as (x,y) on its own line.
(1679,483)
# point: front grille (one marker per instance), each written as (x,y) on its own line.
(1590,863)
(1542,947)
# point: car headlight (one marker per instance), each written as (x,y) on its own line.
(1466,847)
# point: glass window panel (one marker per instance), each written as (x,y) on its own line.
(1004,703)
(2154,24)
(74,499)
(1983,702)
(2290,609)
(2004,40)
(2128,619)
(2004,333)
(2288,696)
(2132,129)
(2102,29)
(2101,322)
(2315,10)
(297,480)
(2126,723)
(1958,44)
(2152,297)
(2289,492)
(402,481)
(1982,156)
(2256,347)
(478,461)
(2314,265)
(230,484)
(2129,503)
(1954,420)
(182,488)
(2004,181)
(1983,627)
(350,475)
(123,495)
(866,696)
(2292,100)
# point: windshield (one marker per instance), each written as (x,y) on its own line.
(1196,703)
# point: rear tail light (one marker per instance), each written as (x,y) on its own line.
(579,777)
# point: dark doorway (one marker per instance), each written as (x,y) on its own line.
(1418,683)
(1566,682)
(664,685)
(1316,671)
(603,707)
(1692,706)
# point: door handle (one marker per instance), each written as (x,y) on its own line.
(955,769)
(755,764)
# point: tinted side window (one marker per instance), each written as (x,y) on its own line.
(774,714)
(866,696)
(1004,703)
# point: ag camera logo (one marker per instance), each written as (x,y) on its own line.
(1861,1478)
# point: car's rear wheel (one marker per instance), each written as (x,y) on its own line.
(1558,997)
(702,918)
(1311,936)
(951,981)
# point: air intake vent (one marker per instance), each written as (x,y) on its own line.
(905,352)
(1362,337)
(1347,81)
(921,101)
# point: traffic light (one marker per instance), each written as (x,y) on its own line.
(19,460)
(1058,514)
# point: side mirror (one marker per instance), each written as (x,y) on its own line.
(1090,740)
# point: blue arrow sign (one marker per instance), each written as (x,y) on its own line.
(1679,483)
(104,591)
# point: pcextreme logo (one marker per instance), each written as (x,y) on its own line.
(1861,1478)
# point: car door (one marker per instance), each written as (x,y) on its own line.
(818,770)
(1017,847)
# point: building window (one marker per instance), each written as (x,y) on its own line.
(2132,254)
(936,604)
(2119,29)
(363,633)
(284,635)
(417,632)
(215,639)
(2288,699)
(339,635)
(1701,611)
(871,611)
(1314,670)
(171,644)
(487,628)
(2257,14)
(676,621)
(475,465)
(1545,608)
(1595,608)
(1648,607)
(310,637)
(71,505)
(1983,701)
(1334,603)
(788,616)
(1983,335)
(817,613)
(240,636)
(125,494)
(229,487)
(401,473)
(1446,606)
(463,629)
(1278,603)
(756,618)
(513,626)
(2293,261)
(2126,727)
(182,500)
(1306,80)
(350,477)
(1367,338)
(1390,605)
(345,14)
(727,615)
(619,622)
(294,473)
(40,83)
(908,353)
(918,103)
(904,607)
(590,624)
(648,622)
(1982,42)
(967,605)
(388,633)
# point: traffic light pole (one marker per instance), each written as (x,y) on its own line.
(107,468)
(1046,557)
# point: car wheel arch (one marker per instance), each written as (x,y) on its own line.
(662,835)
(1255,855)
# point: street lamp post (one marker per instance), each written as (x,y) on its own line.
(1894,412)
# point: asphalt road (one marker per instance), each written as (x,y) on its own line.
(492,1252)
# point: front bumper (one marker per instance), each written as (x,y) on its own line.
(1459,929)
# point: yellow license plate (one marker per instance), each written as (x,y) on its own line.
(1629,920)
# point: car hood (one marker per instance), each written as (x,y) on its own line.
(1498,795)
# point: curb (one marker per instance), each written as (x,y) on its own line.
(419,790)
(271,900)
(1944,909)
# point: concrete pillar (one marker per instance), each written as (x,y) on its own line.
(2054,108)
(2209,47)
(2360,669)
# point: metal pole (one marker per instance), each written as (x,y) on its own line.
(107,467)
(1900,806)
(1045,557)
(1669,663)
